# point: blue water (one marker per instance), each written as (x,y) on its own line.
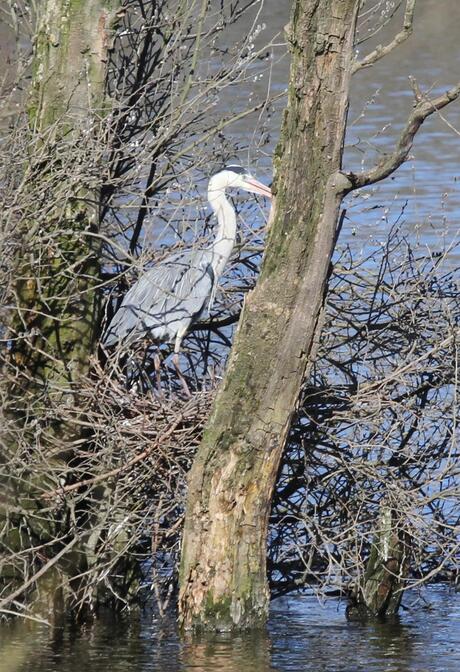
(302,636)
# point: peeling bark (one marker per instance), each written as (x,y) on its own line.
(223,570)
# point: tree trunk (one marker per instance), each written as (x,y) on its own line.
(223,581)
(57,312)
(380,590)
(70,58)
(54,323)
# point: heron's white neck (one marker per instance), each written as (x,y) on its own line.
(226,229)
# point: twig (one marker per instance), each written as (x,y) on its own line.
(381,51)
(423,108)
(52,561)
(118,470)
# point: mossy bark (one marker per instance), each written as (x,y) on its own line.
(223,570)
(69,66)
(380,590)
(56,320)
(53,326)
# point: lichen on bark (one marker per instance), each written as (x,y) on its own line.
(223,568)
(54,322)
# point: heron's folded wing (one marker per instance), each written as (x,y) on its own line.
(184,295)
(172,292)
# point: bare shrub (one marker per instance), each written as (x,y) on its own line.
(377,421)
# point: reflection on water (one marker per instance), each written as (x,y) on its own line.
(227,653)
(302,636)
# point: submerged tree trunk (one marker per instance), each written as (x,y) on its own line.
(56,315)
(380,590)
(223,569)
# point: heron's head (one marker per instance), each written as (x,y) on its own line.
(236,177)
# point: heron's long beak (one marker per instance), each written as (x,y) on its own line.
(256,187)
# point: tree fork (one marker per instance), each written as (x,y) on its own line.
(223,581)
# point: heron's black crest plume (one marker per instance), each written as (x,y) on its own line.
(234,168)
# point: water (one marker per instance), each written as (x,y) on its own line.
(302,636)
(428,184)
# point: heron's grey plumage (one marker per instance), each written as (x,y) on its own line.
(165,300)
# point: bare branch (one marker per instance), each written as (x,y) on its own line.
(124,467)
(381,51)
(423,108)
(52,561)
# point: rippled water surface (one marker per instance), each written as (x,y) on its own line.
(302,636)
(427,186)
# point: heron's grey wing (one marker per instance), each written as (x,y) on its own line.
(192,291)
(165,299)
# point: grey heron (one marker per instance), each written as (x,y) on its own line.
(168,298)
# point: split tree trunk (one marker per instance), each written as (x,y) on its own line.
(223,581)
(56,317)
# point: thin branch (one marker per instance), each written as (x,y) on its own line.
(28,617)
(125,467)
(52,561)
(381,51)
(423,108)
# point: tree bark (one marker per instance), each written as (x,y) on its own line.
(223,569)
(69,67)
(380,590)
(56,320)
(54,323)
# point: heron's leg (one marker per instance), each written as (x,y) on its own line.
(130,373)
(175,360)
(185,387)
(136,379)
(143,375)
(157,367)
